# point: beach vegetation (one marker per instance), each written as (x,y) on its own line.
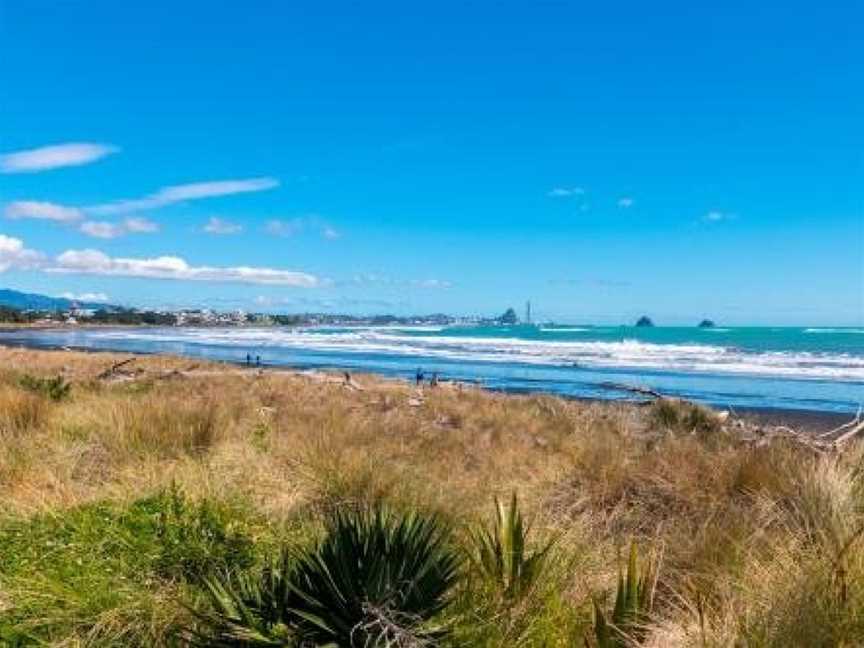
(377,578)
(501,554)
(55,388)
(149,516)
(634,600)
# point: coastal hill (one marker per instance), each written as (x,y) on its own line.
(33,301)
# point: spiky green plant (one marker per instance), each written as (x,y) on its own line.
(248,609)
(501,556)
(377,579)
(634,600)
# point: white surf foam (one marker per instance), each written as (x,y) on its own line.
(633,354)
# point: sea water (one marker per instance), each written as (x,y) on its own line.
(796,368)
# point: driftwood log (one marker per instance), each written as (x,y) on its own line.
(110,371)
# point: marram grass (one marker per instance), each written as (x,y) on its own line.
(122,503)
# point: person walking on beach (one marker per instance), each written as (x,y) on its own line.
(418,377)
(434,381)
(248,359)
(257,360)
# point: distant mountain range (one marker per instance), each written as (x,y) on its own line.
(32,301)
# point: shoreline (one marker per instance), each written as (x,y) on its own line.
(810,421)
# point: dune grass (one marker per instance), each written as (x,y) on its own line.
(120,499)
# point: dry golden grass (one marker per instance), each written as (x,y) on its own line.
(752,539)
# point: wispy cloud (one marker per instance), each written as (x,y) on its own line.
(566,192)
(13,254)
(54,157)
(43,211)
(220,226)
(370,279)
(294,226)
(139,225)
(101,229)
(716,216)
(106,230)
(95,262)
(182,193)
(85,296)
(284,228)
(430,283)
(626,202)
(326,304)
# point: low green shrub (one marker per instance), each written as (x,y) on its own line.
(55,389)
(684,417)
(196,539)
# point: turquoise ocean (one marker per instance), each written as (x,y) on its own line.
(791,368)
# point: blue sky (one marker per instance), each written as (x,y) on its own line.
(604,160)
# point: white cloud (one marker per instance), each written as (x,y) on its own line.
(625,202)
(180,193)
(13,254)
(106,230)
(220,226)
(101,229)
(172,267)
(139,225)
(330,233)
(62,214)
(85,296)
(566,192)
(53,157)
(42,211)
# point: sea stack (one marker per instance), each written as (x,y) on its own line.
(509,317)
(706,323)
(644,322)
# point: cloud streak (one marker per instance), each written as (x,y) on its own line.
(566,192)
(14,255)
(381,280)
(138,225)
(22,209)
(54,157)
(294,226)
(106,230)
(221,227)
(626,202)
(717,216)
(101,229)
(183,193)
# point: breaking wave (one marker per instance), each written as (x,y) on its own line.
(627,353)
